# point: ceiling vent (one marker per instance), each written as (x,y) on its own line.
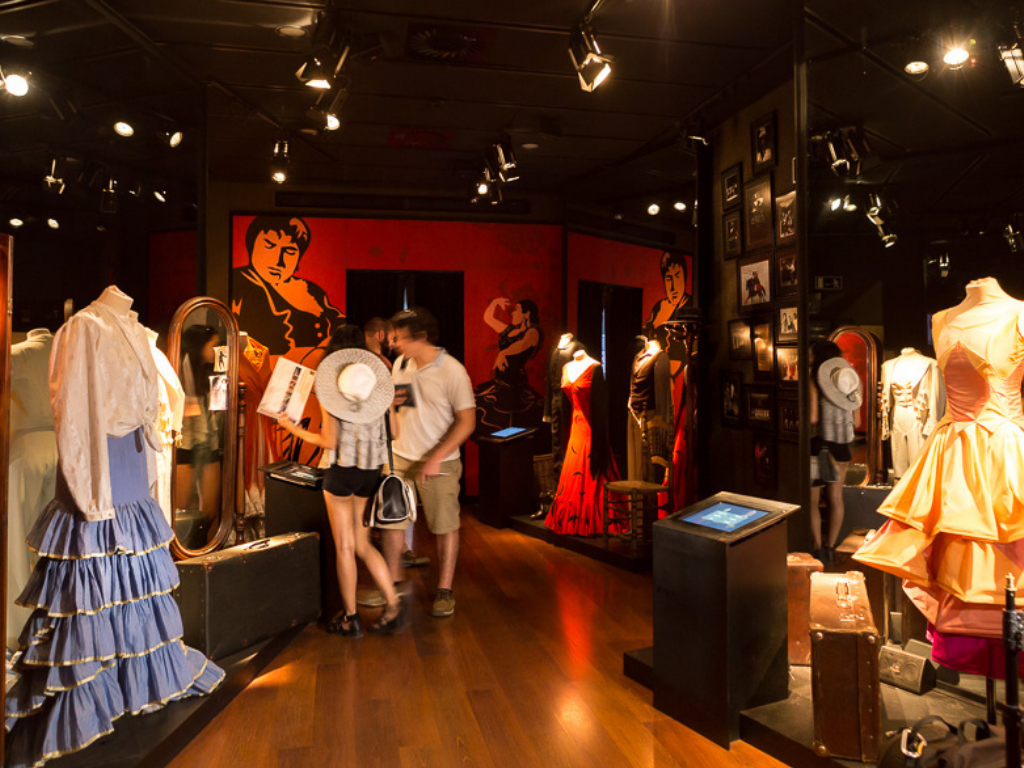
(448,44)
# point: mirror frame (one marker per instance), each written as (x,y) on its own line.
(229,468)
(873,430)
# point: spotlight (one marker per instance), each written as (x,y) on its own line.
(496,198)
(916,58)
(124,129)
(505,159)
(14,84)
(279,163)
(53,224)
(483,188)
(135,190)
(848,205)
(916,68)
(108,197)
(313,74)
(332,122)
(592,66)
(889,239)
(54,180)
(173,138)
(944,265)
(957,54)
(16,222)
(835,204)
(845,160)
(653,209)
(1014,237)
(679,205)
(1013,56)
(877,209)
(160,194)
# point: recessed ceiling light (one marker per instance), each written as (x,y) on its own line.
(19,41)
(916,68)
(16,222)
(292,31)
(679,205)
(53,223)
(160,195)
(173,138)
(279,176)
(653,209)
(16,85)
(123,128)
(530,145)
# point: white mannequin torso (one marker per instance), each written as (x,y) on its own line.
(579,365)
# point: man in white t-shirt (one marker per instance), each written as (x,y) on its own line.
(436,412)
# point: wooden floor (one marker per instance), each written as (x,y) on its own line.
(527,673)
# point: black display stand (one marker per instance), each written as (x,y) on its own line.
(720,619)
(293,506)
(507,485)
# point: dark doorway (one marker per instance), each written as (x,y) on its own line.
(609,319)
(382,293)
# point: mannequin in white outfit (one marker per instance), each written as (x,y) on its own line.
(33,464)
(913,401)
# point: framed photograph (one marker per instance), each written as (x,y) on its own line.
(732,186)
(741,347)
(786,280)
(732,234)
(763,144)
(220,359)
(753,280)
(764,459)
(789,419)
(788,325)
(757,210)
(732,398)
(764,349)
(759,406)
(787,363)
(785,215)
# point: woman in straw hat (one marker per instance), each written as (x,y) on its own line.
(356,392)
(835,413)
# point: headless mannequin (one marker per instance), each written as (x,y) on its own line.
(565,340)
(116,299)
(913,400)
(581,362)
(652,348)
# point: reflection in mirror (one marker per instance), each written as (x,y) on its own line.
(204,342)
(860,350)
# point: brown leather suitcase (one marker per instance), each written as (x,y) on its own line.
(800,566)
(874,579)
(845,684)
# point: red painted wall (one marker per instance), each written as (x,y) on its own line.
(173,271)
(516,261)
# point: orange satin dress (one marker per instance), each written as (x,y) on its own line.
(956,524)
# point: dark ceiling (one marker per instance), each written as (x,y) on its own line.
(949,147)
(431,86)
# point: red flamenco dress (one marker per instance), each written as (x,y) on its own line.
(577,507)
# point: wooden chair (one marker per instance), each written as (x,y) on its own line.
(635,508)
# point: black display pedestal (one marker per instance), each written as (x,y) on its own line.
(720,620)
(293,507)
(507,485)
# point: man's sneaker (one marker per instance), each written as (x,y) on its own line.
(374,598)
(444,603)
(411,560)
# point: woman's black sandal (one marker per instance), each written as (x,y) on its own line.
(346,626)
(390,621)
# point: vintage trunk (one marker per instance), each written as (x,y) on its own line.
(844,668)
(800,566)
(237,597)
(874,579)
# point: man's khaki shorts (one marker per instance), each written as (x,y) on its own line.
(438,495)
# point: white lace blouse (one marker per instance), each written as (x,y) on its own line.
(103,382)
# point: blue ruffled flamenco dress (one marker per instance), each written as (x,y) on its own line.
(104,638)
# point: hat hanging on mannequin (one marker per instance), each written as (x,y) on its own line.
(354,385)
(840,384)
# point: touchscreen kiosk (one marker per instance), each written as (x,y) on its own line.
(508,432)
(720,611)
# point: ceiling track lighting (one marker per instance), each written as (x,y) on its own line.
(592,66)
(15,222)
(916,57)
(108,197)
(848,205)
(53,223)
(13,83)
(279,163)
(123,128)
(160,194)
(1014,238)
(679,205)
(1012,56)
(505,159)
(54,180)
(880,209)
(172,139)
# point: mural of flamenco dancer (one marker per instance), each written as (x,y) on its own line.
(508,400)
(271,303)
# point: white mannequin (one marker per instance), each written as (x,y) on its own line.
(986,302)
(913,401)
(565,340)
(116,299)
(581,362)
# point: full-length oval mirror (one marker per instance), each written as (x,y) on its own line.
(860,349)
(203,346)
